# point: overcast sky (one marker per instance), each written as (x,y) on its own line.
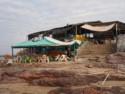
(18,18)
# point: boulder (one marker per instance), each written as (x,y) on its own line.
(117,58)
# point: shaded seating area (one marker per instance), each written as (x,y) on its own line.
(41,51)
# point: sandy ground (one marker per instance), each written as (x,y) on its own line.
(23,88)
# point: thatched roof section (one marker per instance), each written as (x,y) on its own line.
(58,30)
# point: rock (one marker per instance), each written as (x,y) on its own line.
(106,92)
(75,91)
(47,77)
(89,65)
(117,58)
(121,67)
(90,91)
(114,90)
(121,42)
(62,90)
(63,78)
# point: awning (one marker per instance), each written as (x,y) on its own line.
(27,44)
(59,43)
(104,27)
(98,28)
(46,41)
(23,44)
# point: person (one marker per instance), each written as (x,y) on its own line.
(69,52)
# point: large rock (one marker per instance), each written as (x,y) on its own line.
(63,78)
(48,77)
(114,90)
(90,91)
(121,43)
(117,58)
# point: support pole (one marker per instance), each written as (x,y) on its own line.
(75,43)
(65,34)
(32,50)
(46,49)
(117,37)
(76,30)
(74,49)
(12,54)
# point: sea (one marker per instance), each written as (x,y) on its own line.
(2,58)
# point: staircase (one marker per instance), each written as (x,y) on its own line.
(96,49)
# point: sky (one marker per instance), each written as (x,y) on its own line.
(18,18)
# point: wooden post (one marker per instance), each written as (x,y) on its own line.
(46,49)
(12,54)
(75,43)
(74,49)
(104,81)
(117,37)
(31,51)
(65,34)
(76,31)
